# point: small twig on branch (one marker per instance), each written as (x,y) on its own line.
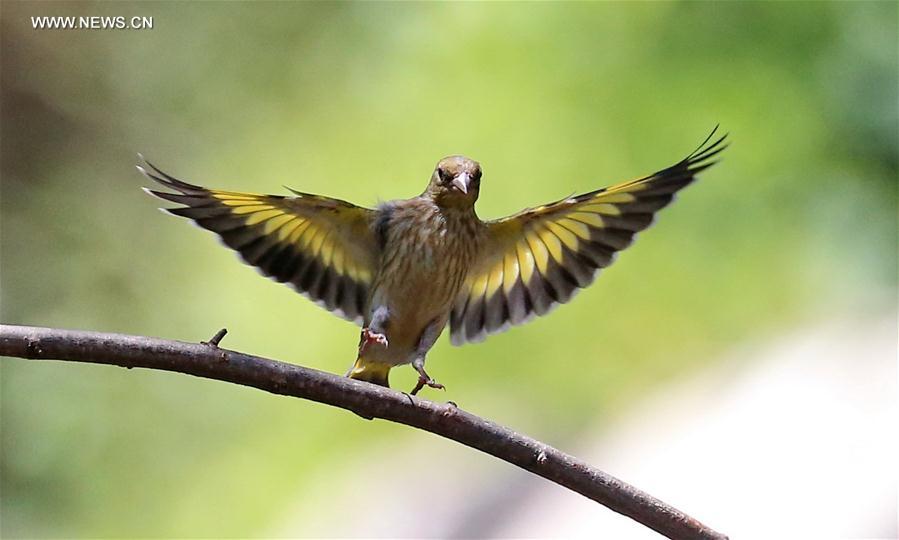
(363,398)
(217,338)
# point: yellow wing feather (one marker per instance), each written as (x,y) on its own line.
(325,248)
(539,258)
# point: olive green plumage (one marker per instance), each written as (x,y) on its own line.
(408,267)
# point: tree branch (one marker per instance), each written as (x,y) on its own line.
(446,420)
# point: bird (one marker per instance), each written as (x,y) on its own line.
(407,268)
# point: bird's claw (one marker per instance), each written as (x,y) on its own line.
(426,381)
(369,337)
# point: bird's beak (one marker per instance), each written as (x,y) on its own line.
(461,182)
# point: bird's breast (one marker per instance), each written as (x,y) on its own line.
(425,259)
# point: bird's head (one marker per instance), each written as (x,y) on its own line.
(456,182)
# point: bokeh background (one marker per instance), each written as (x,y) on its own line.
(738,361)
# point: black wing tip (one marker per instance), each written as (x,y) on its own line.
(170,197)
(156,175)
(169,211)
(154,193)
(697,161)
(297,193)
(707,150)
(160,177)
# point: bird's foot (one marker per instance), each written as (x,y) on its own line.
(424,380)
(369,337)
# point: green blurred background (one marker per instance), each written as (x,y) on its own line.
(358,101)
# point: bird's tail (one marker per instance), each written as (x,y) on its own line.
(373,372)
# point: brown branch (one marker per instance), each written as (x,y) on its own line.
(446,420)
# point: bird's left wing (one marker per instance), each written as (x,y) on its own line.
(325,248)
(539,258)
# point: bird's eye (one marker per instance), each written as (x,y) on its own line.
(444,176)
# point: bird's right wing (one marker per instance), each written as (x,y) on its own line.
(325,248)
(539,258)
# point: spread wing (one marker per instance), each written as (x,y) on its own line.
(539,258)
(324,248)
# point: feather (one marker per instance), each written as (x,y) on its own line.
(560,247)
(325,248)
